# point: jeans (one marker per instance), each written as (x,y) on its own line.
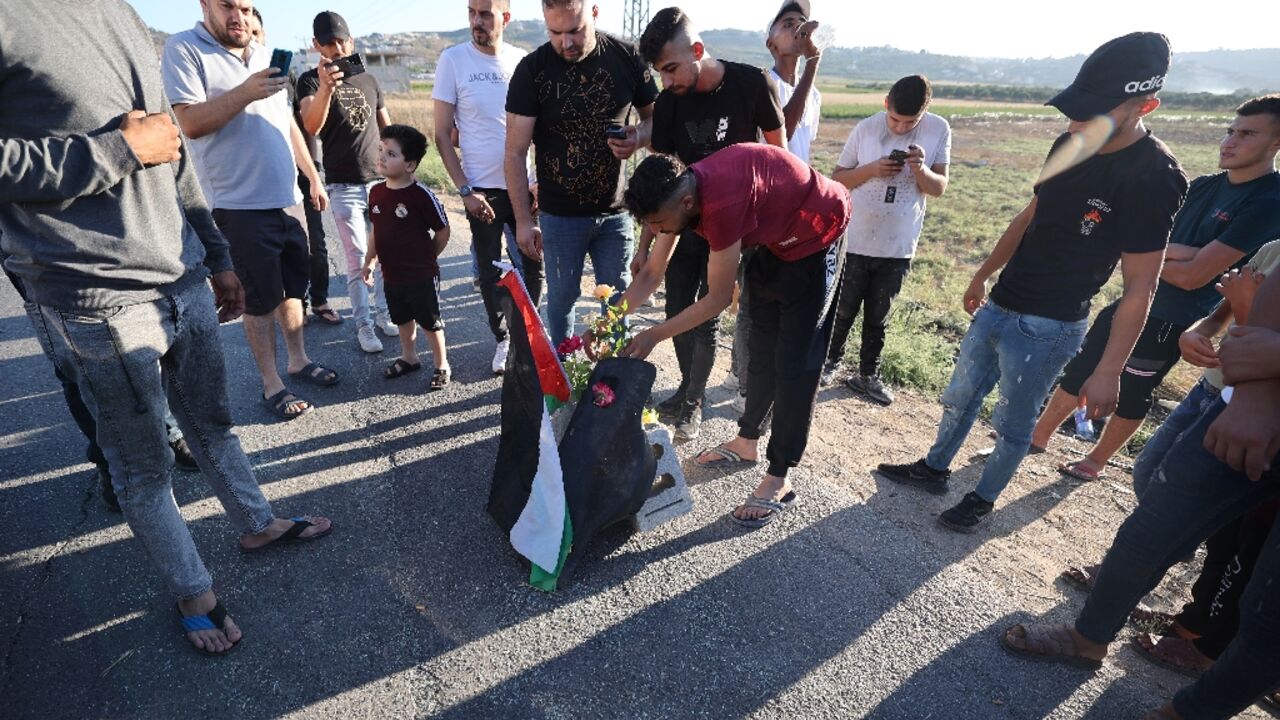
(350,204)
(84,420)
(566,243)
(686,282)
(1201,397)
(791,318)
(1192,495)
(116,356)
(870,285)
(318,290)
(486,247)
(1022,353)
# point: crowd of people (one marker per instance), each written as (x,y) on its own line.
(131,225)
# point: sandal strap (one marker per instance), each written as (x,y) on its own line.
(298,527)
(215,619)
(758,502)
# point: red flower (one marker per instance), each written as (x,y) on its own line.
(602,395)
(569,345)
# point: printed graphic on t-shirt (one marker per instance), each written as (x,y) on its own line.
(356,106)
(705,132)
(1094,216)
(588,168)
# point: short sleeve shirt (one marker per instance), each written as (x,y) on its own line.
(476,85)
(888,213)
(801,142)
(247,164)
(1243,217)
(1085,218)
(695,125)
(763,195)
(405,221)
(574,103)
(349,137)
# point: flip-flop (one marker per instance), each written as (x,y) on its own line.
(279,404)
(316,374)
(328,316)
(727,459)
(1082,577)
(775,508)
(291,536)
(1151,654)
(1078,471)
(1062,635)
(215,619)
(400,367)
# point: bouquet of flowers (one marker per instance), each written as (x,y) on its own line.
(607,334)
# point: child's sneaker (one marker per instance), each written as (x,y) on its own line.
(387,327)
(368,339)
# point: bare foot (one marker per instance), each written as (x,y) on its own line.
(279,526)
(748,450)
(216,640)
(771,487)
(1175,653)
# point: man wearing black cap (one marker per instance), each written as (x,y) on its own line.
(1116,205)
(346,113)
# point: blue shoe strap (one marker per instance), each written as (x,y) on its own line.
(195,623)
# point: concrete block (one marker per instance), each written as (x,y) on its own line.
(669,497)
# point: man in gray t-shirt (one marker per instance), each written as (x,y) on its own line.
(229,102)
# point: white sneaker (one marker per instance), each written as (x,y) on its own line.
(387,327)
(368,339)
(730,382)
(500,357)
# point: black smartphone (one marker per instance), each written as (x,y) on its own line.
(350,65)
(282,60)
(616,132)
(899,156)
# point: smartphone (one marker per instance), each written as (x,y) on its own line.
(350,65)
(899,156)
(616,132)
(282,60)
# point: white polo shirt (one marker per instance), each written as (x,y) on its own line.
(248,164)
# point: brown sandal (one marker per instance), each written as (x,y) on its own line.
(1171,652)
(1082,577)
(1053,644)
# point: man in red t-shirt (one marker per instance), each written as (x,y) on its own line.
(752,195)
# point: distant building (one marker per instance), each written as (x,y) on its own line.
(383,63)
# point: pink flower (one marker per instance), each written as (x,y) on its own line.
(569,346)
(602,395)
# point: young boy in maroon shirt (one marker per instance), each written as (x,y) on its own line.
(410,230)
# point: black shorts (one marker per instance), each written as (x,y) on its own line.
(1153,357)
(415,302)
(270,254)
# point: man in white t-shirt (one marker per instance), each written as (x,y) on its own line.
(893,162)
(789,38)
(471,94)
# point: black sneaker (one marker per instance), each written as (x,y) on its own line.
(108,493)
(871,388)
(917,474)
(182,456)
(829,370)
(966,516)
(689,423)
(669,410)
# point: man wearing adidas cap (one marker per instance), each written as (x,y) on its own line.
(1115,206)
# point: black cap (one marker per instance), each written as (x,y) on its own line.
(1124,68)
(800,6)
(329,25)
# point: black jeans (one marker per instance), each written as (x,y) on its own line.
(318,290)
(790,304)
(870,284)
(1191,496)
(686,282)
(486,239)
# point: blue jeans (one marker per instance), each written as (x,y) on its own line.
(116,357)
(1190,496)
(1201,397)
(1022,353)
(566,243)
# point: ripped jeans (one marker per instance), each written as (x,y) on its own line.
(1023,354)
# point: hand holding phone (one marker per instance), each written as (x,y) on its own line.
(616,132)
(281,60)
(350,65)
(899,156)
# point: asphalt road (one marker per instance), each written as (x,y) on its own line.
(415,606)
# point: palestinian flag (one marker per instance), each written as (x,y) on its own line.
(528,496)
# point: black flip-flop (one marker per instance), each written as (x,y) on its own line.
(215,619)
(400,367)
(328,315)
(775,508)
(291,536)
(279,403)
(316,374)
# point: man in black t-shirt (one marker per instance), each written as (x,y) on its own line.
(346,114)
(705,105)
(1225,219)
(564,97)
(1115,206)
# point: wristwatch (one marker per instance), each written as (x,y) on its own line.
(465,190)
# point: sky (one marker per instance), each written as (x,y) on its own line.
(988,28)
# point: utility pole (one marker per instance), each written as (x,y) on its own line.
(635,16)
